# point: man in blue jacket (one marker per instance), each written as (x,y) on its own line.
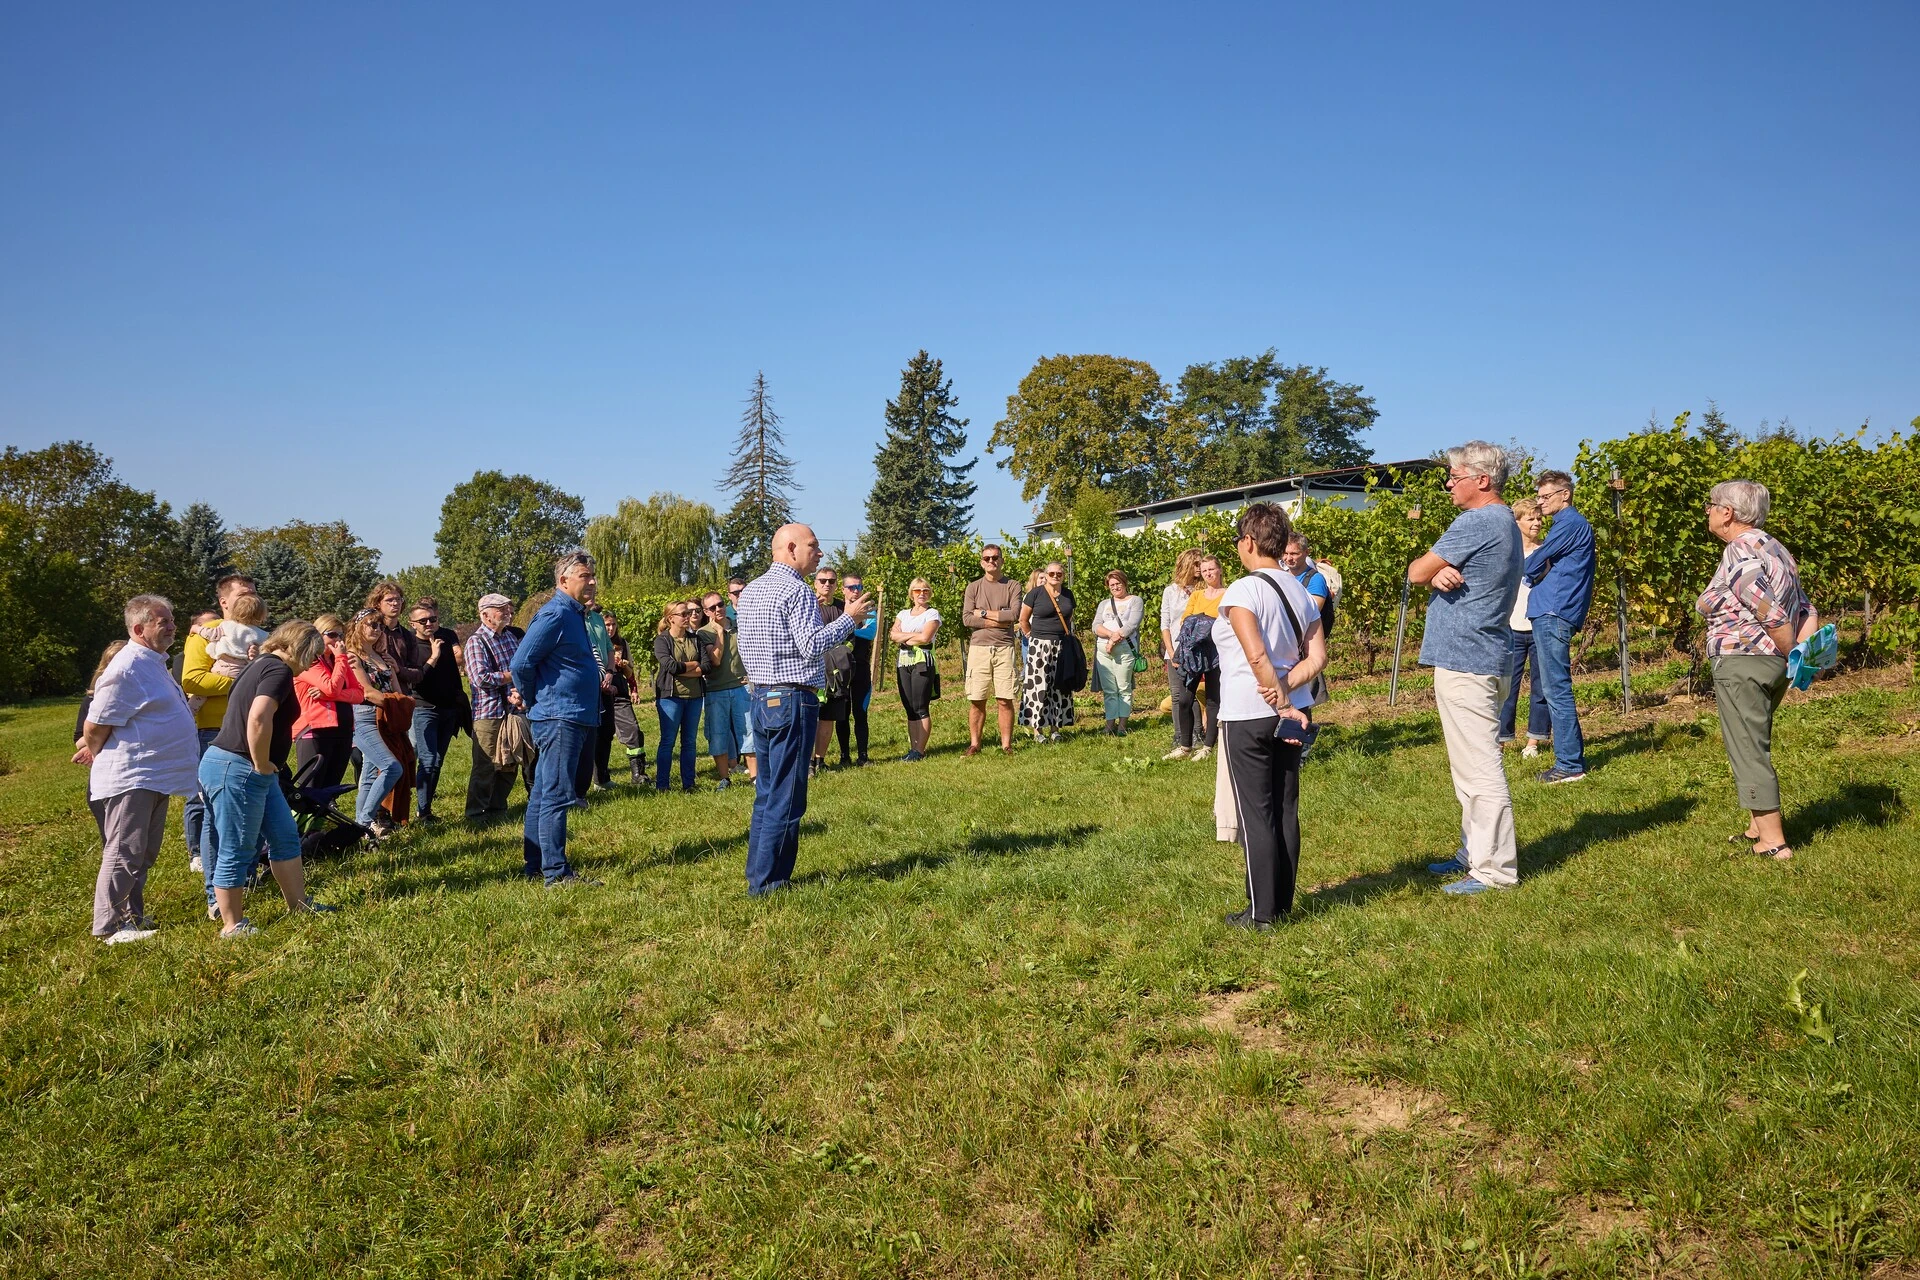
(1560,574)
(559,681)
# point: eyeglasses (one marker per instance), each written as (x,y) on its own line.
(989,559)
(923,591)
(1055,573)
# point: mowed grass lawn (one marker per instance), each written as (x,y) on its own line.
(998,1029)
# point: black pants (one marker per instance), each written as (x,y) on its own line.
(320,759)
(603,742)
(1185,687)
(858,697)
(1265,773)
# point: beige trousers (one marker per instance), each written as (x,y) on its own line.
(1470,719)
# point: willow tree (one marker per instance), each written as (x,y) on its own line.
(668,540)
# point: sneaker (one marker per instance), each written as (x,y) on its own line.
(243,929)
(1466,885)
(1452,866)
(912,756)
(130,932)
(1555,776)
(196,866)
(311,908)
(723,785)
(1053,737)
(1178,753)
(1530,751)
(1201,754)
(213,912)
(574,880)
(1243,919)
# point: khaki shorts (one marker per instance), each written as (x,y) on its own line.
(993,671)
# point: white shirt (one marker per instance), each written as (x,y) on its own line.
(233,640)
(908,620)
(1239,689)
(1173,603)
(1519,620)
(152,746)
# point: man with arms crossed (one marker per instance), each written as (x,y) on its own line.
(1560,571)
(782,640)
(1474,572)
(991,610)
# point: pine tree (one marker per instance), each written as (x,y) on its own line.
(280,576)
(208,550)
(338,578)
(760,479)
(920,497)
(1716,428)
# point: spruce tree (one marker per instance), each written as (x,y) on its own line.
(209,552)
(280,576)
(920,497)
(760,479)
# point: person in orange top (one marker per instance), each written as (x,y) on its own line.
(322,738)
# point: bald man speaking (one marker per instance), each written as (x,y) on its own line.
(782,644)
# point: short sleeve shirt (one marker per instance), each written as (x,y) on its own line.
(267,677)
(152,745)
(1467,627)
(1239,688)
(1045,622)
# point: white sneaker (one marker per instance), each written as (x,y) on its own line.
(1178,753)
(1202,753)
(1529,751)
(128,933)
(195,866)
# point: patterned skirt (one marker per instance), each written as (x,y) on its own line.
(1043,708)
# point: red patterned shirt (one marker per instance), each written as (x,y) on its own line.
(1755,589)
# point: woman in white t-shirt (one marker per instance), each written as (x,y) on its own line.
(1271,647)
(914,630)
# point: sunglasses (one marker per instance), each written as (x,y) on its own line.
(989,559)
(332,635)
(716,606)
(426,617)
(734,591)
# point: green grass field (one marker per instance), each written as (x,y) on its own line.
(998,1029)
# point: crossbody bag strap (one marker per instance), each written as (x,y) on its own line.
(1293,619)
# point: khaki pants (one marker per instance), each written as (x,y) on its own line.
(1470,718)
(132,825)
(488,786)
(1749,688)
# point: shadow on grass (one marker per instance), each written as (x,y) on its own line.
(1639,741)
(1872,804)
(693,849)
(1536,858)
(1379,737)
(984,844)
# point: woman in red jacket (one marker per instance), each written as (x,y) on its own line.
(322,736)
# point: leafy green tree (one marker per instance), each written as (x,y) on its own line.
(51,611)
(71,502)
(1259,419)
(203,537)
(280,576)
(761,480)
(920,496)
(1093,421)
(501,533)
(668,540)
(339,574)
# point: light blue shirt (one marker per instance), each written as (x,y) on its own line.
(1467,627)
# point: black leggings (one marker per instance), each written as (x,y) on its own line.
(1265,773)
(320,758)
(1184,689)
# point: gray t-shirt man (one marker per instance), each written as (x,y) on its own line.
(1468,627)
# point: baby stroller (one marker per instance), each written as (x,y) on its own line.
(323,828)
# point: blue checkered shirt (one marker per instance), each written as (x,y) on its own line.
(489,657)
(782,639)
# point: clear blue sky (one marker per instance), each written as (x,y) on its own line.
(327,263)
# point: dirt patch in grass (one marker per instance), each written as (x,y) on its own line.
(1224,1013)
(1361,1109)
(1596,1217)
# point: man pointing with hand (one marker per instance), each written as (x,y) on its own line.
(782,645)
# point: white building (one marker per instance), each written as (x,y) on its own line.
(1345,485)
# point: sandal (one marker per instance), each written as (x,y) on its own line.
(1779,853)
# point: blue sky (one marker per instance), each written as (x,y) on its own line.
(326,263)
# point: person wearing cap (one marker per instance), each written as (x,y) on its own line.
(489,662)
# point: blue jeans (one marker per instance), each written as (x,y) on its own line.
(677,716)
(1522,655)
(246,807)
(784,719)
(379,771)
(431,733)
(193,815)
(1552,652)
(561,744)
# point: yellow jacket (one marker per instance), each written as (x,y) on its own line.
(199,680)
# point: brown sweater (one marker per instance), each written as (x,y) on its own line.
(1002,596)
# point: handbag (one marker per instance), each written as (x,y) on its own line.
(1070,676)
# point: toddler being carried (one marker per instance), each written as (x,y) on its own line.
(232,643)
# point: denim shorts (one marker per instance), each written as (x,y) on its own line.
(727,732)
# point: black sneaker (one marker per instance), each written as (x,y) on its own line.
(1243,919)
(1553,777)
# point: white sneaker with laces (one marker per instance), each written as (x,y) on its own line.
(1202,753)
(1178,753)
(1529,751)
(196,866)
(128,933)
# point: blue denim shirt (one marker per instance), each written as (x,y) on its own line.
(1561,570)
(554,668)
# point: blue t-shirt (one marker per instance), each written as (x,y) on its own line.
(1467,627)
(1315,582)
